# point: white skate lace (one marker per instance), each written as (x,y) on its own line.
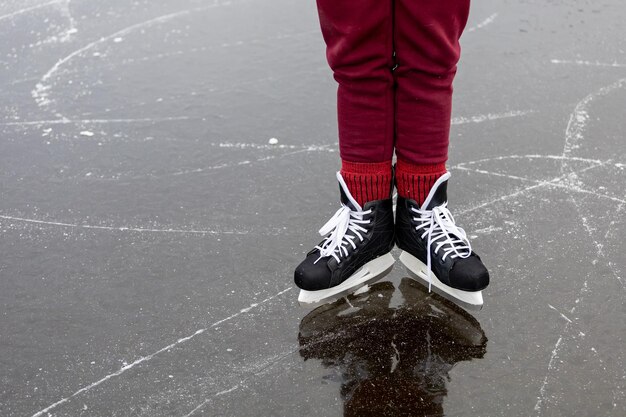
(337,241)
(438,224)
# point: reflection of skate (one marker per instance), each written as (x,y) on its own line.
(458,322)
(392,361)
(436,251)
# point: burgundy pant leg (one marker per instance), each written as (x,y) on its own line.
(426,38)
(359,40)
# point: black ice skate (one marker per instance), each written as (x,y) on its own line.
(354,253)
(436,251)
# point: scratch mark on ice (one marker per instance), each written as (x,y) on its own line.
(574,136)
(490,116)
(552,182)
(41,91)
(542,390)
(555,182)
(580,116)
(487,230)
(29,9)
(489,20)
(536,156)
(599,246)
(611,228)
(221,45)
(149,357)
(67,13)
(240,163)
(462,167)
(241,383)
(558,182)
(588,63)
(66,121)
(122,228)
(307,148)
(562,315)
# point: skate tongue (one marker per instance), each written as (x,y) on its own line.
(346,197)
(438,193)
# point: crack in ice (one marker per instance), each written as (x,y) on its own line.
(41,91)
(574,136)
(30,9)
(66,121)
(149,357)
(588,63)
(490,117)
(242,382)
(489,20)
(122,228)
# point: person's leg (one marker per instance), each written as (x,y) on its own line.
(435,250)
(359,237)
(358,37)
(426,39)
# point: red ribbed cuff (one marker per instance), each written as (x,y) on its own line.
(420,169)
(414,181)
(375,168)
(367,181)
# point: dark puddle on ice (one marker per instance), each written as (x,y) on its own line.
(392,360)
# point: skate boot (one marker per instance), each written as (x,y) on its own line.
(436,251)
(354,253)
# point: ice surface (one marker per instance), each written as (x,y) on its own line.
(164,166)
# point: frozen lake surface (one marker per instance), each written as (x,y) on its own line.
(165,165)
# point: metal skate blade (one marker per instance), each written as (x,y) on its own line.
(469,300)
(309,299)
(371,272)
